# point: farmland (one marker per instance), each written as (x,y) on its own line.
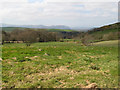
(60,65)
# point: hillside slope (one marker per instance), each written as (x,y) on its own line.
(106,29)
(10,29)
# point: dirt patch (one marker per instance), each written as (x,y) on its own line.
(53,73)
(92,85)
(59,57)
(0,59)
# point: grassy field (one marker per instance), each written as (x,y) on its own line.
(107,43)
(59,65)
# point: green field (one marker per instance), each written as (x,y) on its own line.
(60,65)
(60,30)
(107,43)
(10,29)
(105,31)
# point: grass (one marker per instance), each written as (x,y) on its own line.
(10,29)
(60,30)
(59,65)
(106,31)
(107,43)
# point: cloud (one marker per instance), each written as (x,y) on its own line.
(9,1)
(51,12)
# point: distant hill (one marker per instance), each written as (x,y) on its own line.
(37,26)
(10,29)
(105,29)
(100,30)
(104,33)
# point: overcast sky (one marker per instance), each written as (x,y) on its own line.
(58,12)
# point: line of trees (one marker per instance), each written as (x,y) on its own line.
(30,36)
(89,39)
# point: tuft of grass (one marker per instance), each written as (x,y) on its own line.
(22,59)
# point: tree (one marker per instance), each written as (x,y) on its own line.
(29,37)
(5,37)
(87,40)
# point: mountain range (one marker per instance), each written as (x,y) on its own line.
(47,27)
(37,26)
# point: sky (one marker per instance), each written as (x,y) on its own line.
(72,13)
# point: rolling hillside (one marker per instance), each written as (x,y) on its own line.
(106,29)
(105,33)
(101,30)
(10,29)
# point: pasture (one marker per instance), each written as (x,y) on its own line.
(59,65)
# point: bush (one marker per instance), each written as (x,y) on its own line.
(87,40)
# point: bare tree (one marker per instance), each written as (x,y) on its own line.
(87,40)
